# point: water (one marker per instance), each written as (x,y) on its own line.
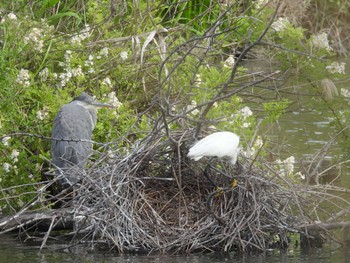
(12,251)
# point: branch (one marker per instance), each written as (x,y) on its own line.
(234,71)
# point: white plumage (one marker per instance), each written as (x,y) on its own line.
(219,144)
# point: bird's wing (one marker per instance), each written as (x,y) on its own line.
(72,122)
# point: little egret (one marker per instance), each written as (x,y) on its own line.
(219,144)
(71,135)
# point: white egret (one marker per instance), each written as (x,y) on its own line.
(219,144)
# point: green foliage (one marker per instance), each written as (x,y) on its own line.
(41,69)
(274,109)
(200,14)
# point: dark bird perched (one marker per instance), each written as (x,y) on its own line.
(71,135)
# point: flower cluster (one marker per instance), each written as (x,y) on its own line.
(280,24)
(345,93)
(82,35)
(242,115)
(260,3)
(107,82)
(103,53)
(229,62)
(192,107)
(44,74)
(5,140)
(321,41)
(34,39)
(197,81)
(23,78)
(6,167)
(89,63)
(69,71)
(14,155)
(10,16)
(336,68)
(113,100)
(42,114)
(251,151)
(124,55)
(286,167)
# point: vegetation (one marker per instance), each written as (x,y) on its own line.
(169,68)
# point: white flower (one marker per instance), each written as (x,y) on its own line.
(287,165)
(34,38)
(197,81)
(259,142)
(64,77)
(89,62)
(14,155)
(336,67)
(280,24)
(75,39)
(345,92)
(23,78)
(44,74)
(110,154)
(246,112)
(91,70)
(192,106)
(321,41)
(68,56)
(6,167)
(302,176)
(5,140)
(246,125)
(83,34)
(12,16)
(112,99)
(104,52)
(107,82)
(42,114)
(260,3)
(229,62)
(124,55)
(77,71)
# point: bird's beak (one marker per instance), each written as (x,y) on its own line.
(97,104)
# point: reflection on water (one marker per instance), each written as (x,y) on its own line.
(11,250)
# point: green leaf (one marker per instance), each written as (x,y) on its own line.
(49,3)
(68,13)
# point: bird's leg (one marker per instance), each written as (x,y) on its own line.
(233,183)
(205,172)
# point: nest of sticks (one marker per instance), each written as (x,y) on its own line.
(154,199)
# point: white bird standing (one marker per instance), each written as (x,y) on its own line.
(219,144)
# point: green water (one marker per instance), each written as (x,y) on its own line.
(12,250)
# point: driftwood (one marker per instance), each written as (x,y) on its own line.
(42,220)
(64,221)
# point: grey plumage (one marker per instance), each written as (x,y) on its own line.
(71,133)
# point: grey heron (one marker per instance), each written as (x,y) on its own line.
(71,135)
